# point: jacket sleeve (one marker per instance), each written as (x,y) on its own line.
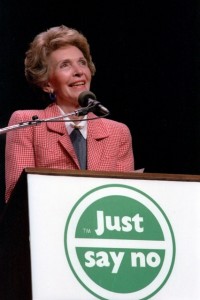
(19,151)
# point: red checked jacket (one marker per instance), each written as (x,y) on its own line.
(109,145)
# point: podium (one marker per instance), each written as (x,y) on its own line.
(101,235)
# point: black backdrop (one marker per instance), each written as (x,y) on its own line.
(147,60)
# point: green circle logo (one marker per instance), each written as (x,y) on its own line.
(119,243)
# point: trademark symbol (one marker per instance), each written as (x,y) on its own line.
(86,230)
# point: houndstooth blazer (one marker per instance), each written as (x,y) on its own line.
(109,145)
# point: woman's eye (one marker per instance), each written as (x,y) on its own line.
(83,62)
(65,64)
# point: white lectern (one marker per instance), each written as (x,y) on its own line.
(102,235)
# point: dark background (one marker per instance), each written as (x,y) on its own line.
(147,60)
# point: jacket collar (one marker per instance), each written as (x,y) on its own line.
(96,128)
(53,111)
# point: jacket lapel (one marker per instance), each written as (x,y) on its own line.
(52,111)
(97,135)
(59,127)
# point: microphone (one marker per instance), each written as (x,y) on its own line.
(87,98)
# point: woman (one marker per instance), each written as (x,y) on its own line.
(59,62)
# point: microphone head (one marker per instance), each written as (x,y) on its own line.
(84,97)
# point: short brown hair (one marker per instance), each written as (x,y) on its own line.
(36,65)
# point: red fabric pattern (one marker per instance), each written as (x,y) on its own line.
(48,145)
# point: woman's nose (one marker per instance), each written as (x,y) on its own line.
(78,70)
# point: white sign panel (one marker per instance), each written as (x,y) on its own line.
(108,238)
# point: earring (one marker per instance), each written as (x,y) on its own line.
(52,96)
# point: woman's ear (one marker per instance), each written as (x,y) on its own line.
(47,88)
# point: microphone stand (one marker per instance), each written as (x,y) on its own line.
(35,121)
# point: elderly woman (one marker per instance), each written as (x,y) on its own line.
(59,62)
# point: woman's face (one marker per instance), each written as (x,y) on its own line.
(69,74)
